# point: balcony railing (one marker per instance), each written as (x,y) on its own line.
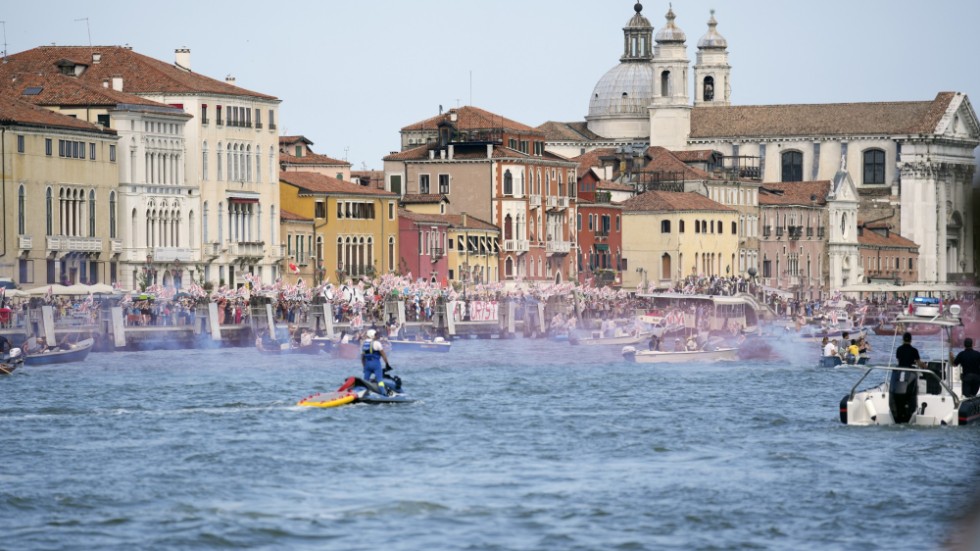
(821,232)
(534,200)
(766,231)
(779,232)
(276,251)
(24,242)
(115,245)
(172,254)
(552,202)
(74,244)
(558,247)
(247,248)
(435,253)
(212,249)
(809,231)
(563,202)
(517,245)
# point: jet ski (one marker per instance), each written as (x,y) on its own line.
(356,389)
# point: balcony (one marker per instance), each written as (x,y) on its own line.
(534,201)
(115,245)
(558,247)
(212,249)
(551,202)
(24,242)
(435,253)
(779,232)
(258,126)
(517,245)
(795,232)
(171,254)
(64,243)
(766,231)
(809,231)
(254,249)
(563,202)
(275,251)
(821,232)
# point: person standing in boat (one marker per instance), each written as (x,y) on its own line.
(908,355)
(969,360)
(372,352)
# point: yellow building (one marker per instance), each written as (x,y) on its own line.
(59,178)
(668,236)
(355,228)
(474,247)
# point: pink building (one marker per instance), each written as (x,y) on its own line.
(423,239)
(793,240)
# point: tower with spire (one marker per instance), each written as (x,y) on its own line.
(670,112)
(712,73)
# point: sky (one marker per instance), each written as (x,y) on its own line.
(351,73)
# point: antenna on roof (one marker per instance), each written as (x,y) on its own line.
(88,29)
(471,87)
(4,53)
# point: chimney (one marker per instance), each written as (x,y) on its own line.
(183,58)
(117,83)
(489,151)
(96,58)
(442,154)
(432,154)
(105,83)
(464,219)
(451,151)
(453,115)
(230,79)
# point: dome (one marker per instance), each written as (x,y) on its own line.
(638,21)
(712,39)
(670,32)
(626,89)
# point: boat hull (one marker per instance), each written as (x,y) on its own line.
(625,340)
(693,356)
(77,353)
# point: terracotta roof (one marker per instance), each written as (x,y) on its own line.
(461,153)
(472,223)
(566,132)
(694,155)
(794,193)
(666,201)
(374,178)
(289,140)
(871,239)
(471,118)
(664,161)
(311,159)
(15,111)
(54,89)
(591,159)
(423,198)
(613,186)
(910,117)
(287,216)
(314,182)
(141,74)
(423,217)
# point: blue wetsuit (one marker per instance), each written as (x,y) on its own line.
(371,360)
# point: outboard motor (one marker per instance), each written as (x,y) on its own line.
(903,394)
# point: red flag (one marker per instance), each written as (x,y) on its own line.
(293,268)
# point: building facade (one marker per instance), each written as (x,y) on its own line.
(793,240)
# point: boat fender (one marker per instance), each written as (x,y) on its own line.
(843,409)
(872,410)
(969,411)
(948,419)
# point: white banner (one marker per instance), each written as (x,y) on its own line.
(483,311)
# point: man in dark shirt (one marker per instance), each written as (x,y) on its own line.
(969,359)
(906,354)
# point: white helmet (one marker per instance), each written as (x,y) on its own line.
(370,333)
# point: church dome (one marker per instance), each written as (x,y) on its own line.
(671,33)
(626,89)
(712,39)
(638,21)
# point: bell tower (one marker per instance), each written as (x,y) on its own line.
(712,73)
(670,114)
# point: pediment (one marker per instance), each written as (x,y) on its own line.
(960,120)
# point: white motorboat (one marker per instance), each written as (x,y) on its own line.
(910,395)
(681,356)
(596,339)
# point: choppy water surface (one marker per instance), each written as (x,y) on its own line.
(513,445)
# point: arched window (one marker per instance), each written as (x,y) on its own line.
(112,214)
(508,227)
(190,229)
(874,166)
(721,229)
(665,226)
(709,88)
(91,213)
(680,226)
(219,161)
(792,166)
(204,161)
(665,84)
(665,268)
(49,212)
(340,253)
(132,228)
(391,252)
(509,267)
(734,227)
(22,208)
(697,226)
(508,183)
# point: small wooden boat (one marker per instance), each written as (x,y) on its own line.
(64,353)
(436,345)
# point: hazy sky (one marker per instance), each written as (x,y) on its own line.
(351,73)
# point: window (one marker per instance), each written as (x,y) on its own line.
(709,88)
(204,113)
(258,118)
(874,166)
(91,213)
(444,184)
(680,226)
(26,268)
(391,210)
(299,151)
(112,214)
(792,166)
(423,184)
(112,153)
(21,209)
(617,223)
(580,221)
(767,268)
(665,226)
(20,143)
(734,228)
(91,151)
(320,210)
(217,115)
(47,146)
(272,119)
(508,183)
(395,184)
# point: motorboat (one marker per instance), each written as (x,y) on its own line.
(929,396)
(915,329)
(438,344)
(633,354)
(63,353)
(596,338)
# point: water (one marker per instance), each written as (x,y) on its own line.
(512,445)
